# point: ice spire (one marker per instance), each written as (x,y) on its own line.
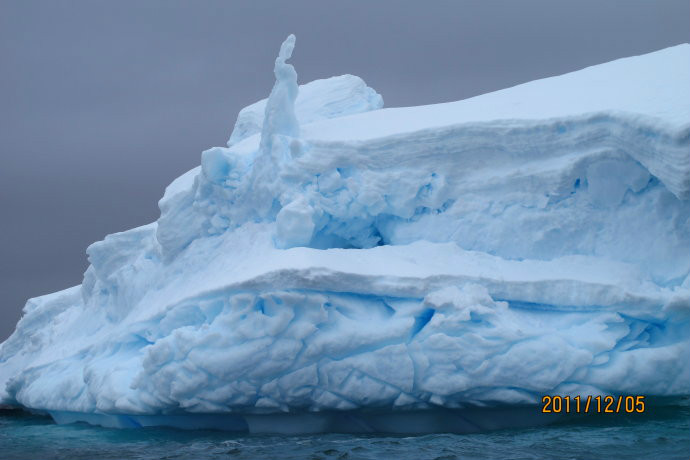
(280,116)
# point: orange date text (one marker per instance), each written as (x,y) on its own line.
(592,404)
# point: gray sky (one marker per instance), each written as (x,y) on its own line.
(102,104)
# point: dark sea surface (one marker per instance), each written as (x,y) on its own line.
(661,433)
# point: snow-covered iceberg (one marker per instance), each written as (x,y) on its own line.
(340,266)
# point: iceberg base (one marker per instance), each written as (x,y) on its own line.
(468,420)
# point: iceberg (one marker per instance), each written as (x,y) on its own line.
(340,266)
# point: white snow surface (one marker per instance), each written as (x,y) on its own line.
(341,256)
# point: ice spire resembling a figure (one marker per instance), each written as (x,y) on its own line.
(280,109)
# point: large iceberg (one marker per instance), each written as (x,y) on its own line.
(340,266)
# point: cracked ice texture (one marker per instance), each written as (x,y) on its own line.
(338,256)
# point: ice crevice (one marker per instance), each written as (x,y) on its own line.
(339,266)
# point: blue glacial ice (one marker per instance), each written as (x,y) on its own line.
(341,266)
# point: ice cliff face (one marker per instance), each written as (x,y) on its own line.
(338,256)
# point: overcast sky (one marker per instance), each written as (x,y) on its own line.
(102,104)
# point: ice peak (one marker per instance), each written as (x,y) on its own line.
(285,52)
(280,115)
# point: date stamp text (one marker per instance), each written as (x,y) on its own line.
(592,404)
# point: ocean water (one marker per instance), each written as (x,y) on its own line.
(662,433)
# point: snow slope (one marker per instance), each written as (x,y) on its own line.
(345,267)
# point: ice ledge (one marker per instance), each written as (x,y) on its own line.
(415,269)
(654,85)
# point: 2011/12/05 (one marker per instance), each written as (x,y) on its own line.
(593,404)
